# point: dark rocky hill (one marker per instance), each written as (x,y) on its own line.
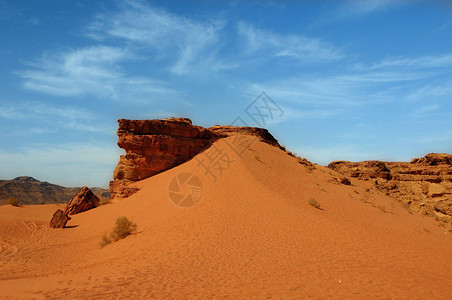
(31,191)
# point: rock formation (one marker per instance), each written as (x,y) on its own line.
(82,201)
(424,184)
(32,191)
(59,219)
(154,146)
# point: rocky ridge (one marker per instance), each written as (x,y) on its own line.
(422,185)
(32,191)
(154,146)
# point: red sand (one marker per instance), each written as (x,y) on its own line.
(251,235)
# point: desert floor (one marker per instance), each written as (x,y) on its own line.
(252,234)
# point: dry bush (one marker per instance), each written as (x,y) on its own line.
(314,203)
(105,241)
(13,201)
(123,228)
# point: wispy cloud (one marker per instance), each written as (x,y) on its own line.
(34,21)
(38,110)
(50,117)
(363,7)
(354,9)
(439,61)
(92,71)
(293,46)
(431,91)
(391,80)
(425,111)
(197,42)
(337,91)
(434,69)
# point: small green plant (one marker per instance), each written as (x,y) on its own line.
(314,203)
(13,201)
(123,228)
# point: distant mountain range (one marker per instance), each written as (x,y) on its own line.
(31,191)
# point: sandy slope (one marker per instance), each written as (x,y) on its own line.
(252,234)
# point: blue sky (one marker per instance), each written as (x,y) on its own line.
(355,80)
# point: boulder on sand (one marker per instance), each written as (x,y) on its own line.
(83,201)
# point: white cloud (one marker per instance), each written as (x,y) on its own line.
(431,91)
(391,80)
(292,46)
(439,61)
(196,42)
(434,69)
(38,110)
(50,118)
(339,91)
(363,7)
(92,71)
(355,9)
(77,164)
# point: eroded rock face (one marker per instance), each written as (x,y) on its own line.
(154,146)
(424,184)
(363,170)
(82,201)
(59,219)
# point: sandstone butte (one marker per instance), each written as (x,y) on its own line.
(154,146)
(423,185)
(272,226)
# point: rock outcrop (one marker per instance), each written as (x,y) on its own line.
(154,146)
(59,219)
(423,185)
(84,200)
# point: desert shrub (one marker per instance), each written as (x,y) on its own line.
(13,201)
(123,228)
(105,241)
(314,203)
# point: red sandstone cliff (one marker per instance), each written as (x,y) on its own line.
(423,185)
(153,146)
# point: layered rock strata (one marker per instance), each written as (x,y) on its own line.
(424,184)
(154,146)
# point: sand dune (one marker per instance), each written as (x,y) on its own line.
(252,234)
